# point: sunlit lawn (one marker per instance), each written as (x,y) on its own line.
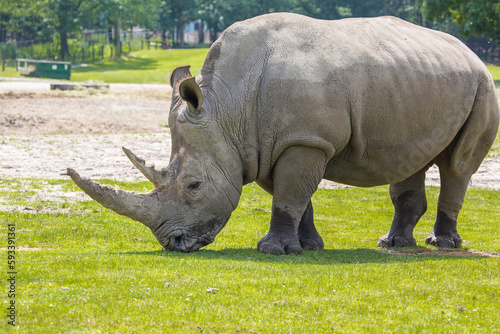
(145,66)
(153,66)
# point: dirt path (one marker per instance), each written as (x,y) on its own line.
(43,132)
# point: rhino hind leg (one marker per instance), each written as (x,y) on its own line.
(308,235)
(296,176)
(451,197)
(462,159)
(410,203)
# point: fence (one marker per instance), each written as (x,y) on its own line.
(86,47)
(95,45)
(78,52)
(485,49)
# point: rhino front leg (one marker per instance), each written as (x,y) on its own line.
(408,198)
(308,235)
(295,178)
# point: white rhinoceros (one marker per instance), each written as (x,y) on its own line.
(286,101)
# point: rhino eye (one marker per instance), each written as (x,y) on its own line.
(194,185)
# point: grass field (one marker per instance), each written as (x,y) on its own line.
(153,66)
(86,269)
(145,66)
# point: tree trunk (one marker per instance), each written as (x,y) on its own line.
(3,31)
(180,35)
(213,35)
(164,36)
(110,36)
(201,33)
(117,39)
(180,30)
(64,45)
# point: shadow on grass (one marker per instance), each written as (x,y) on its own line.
(128,64)
(326,257)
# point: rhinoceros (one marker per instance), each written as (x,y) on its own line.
(285,101)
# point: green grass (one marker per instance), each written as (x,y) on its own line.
(10,72)
(100,272)
(495,73)
(153,66)
(145,66)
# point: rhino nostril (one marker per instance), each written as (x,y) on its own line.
(177,243)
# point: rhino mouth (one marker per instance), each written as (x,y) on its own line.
(185,244)
(182,242)
(191,241)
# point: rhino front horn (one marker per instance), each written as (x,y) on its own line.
(144,208)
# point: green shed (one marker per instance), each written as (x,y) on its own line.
(44,68)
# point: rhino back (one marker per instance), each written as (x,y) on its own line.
(368,92)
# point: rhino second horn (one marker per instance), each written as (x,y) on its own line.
(144,208)
(150,172)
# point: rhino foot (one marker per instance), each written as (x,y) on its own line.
(396,241)
(278,246)
(444,241)
(312,243)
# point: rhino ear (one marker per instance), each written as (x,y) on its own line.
(191,93)
(179,74)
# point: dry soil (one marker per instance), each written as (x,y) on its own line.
(42,132)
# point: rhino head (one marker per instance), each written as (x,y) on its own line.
(195,195)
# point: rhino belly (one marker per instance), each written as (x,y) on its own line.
(397,131)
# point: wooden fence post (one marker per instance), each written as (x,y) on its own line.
(83,55)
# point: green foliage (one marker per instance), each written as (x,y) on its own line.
(86,269)
(473,17)
(43,20)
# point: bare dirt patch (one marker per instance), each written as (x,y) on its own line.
(43,132)
(89,111)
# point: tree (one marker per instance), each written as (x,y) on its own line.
(68,16)
(218,15)
(165,22)
(474,17)
(127,13)
(331,10)
(23,20)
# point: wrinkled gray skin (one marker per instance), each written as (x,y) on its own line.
(285,101)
